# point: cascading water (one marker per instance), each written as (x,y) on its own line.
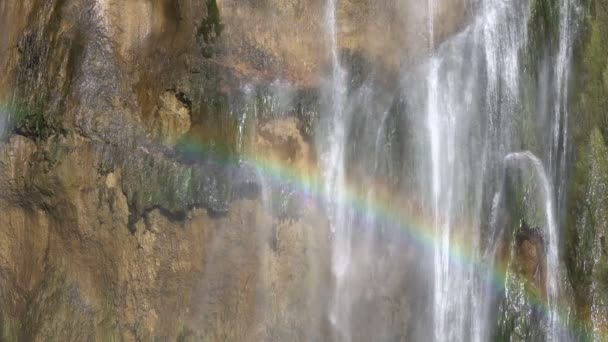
(552,258)
(468,135)
(557,155)
(333,161)
(466,103)
(461,138)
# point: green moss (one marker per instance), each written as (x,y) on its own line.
(545,16)
(606,76)
(211,28)
(587,227)
(155,182)
(9,329)
(588,203)
(543,29)
(32,121)
(520,312)
(591,100)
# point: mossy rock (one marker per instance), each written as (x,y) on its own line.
(588,227)
(587,215)
(520,315)
(606,76)
(591,67)
(211,28)
(155,182)
(32,120)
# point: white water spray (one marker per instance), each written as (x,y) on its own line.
(552,255)
(334,174)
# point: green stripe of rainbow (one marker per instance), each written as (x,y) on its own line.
(396,212)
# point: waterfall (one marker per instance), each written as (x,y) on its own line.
(459,145)
(560,108)
(552,257)
(467,137)
(465,103)
(333,162)
(431,22)
(558,157)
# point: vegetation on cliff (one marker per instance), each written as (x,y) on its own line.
(211,28)
(587,217)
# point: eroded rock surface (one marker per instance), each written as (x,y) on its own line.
(108,232)
(72,270)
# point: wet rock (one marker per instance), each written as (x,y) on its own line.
(106,231)
(280,148)
(531,253)
(284,140)
(172,120)
(587,214)
(70,268)
(387,33)
(587,263)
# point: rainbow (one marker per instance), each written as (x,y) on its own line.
(396,212)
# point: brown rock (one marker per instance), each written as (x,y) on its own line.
(531,255)
(172,120)
(282,140)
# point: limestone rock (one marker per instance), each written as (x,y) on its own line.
(173,118)
(283,140)
(531,256)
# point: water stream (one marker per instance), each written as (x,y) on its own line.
(333,163)
(466,103)
(551,235)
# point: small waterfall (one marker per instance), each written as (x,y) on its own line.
(467,135)
(557,155)
(333,161)
(552,255)
(431,22)
(462,132)
(465,103)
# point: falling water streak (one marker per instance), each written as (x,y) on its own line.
(433,127)
(560,128)
(487,263)
(560,110)
(243,119)
(501,29)
(441,124)
(333,161)
(431,23)
(552,257)
(482,291)
(263,236)
(558,148)
(370,219)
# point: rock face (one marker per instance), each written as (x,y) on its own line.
(531,256)
(109,230)
(586,230)
(172,119)
(72,270)
(389,33)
